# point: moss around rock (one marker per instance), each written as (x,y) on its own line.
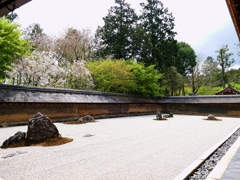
(48,142)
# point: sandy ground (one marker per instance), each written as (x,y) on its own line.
(129,148)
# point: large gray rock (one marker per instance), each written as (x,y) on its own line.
(85,119)
(17,138)
(159,116)
(40,128)
(211,117)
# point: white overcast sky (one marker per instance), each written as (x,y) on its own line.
(204,24)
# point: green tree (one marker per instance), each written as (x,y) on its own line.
(12,46)
(186,60)
(224,61)
(234,76)
(122,76)
(159,46)
(146,79)
(111,75)
(116,36)
(172,81)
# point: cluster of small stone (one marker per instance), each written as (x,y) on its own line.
(211,117)
(85,119)
(204,170)
(161,116)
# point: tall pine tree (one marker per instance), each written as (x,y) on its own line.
(115,38)
(159,46)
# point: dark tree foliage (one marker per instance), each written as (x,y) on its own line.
(173,82)
(11,16)
(116,36)
(186,60)
(159,46)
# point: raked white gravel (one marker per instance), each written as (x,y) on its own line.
(128,148)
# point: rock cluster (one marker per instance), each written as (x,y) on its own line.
(40,128)
(161,116)
(211,117)
(18,137)
(85,119)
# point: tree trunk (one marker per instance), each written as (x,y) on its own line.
(183,91)
(193,85)
(223,77)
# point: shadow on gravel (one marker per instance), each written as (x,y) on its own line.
(212,119)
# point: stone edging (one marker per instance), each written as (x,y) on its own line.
(197,163)
(222,165)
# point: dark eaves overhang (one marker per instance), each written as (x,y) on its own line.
(234,9)
(7,6)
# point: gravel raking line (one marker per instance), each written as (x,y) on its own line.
(127,148)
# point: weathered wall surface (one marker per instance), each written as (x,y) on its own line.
(20,113)
(18,104)
(218,109)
